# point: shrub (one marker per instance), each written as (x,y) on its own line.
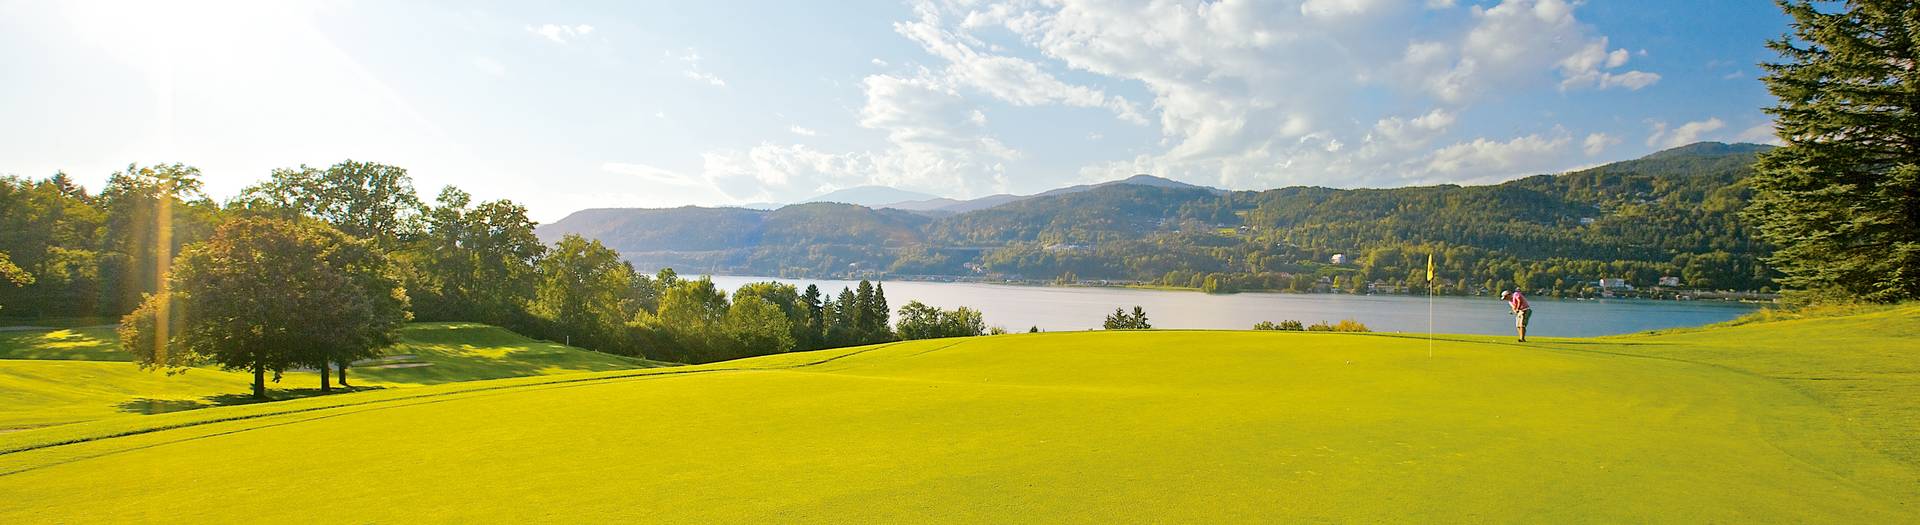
(1121,320)
(1345,325)
(1289,324)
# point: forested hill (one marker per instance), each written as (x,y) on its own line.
(1670,214)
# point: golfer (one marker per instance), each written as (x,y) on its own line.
(1522,312)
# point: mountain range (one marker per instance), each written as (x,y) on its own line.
(884,197)
(1647,217)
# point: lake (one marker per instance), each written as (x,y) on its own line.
(1082,308)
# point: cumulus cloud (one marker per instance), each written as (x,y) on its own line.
(1597,143)
(801,131)
(1688,133)
(1762,133)
(935,141)
(561,34)
(1415,132)
(1015,80)
(1590,67)
(1242,94)
(1511,42)
(1531,152)
(1326,9)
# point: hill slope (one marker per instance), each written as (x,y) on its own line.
(86,377)
(1071,427)
(1670,214)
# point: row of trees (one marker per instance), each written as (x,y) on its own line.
(314,267)
(1121,319)
(1345,325)
(1464,270)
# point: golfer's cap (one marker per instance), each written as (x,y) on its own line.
(1506,293)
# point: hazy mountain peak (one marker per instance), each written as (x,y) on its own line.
(871,196)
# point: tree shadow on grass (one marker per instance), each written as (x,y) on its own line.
(149,406)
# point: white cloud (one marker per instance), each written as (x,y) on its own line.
(652,174)
(1243,94)
(1015,80)
(935,141)
(561,34)
(804,132)
(1687,133)
(1340,8)
(1597,143)
(1588,68)
(879,62)
(693,70)
(1762,133)
(706,77)
(1481,156)
(1414,133)
(1511,43)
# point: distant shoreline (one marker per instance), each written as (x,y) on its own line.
(1750,298)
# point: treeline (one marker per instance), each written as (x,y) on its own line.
(68,252)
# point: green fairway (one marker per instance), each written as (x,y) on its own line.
(59,376)
(1793,421)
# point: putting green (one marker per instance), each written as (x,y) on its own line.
(1169,426)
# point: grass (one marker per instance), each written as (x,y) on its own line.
(63,376)
(90,343)
(1805,420)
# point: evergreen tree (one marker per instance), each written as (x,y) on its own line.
(841,330)
(1139,318)
(879,327)
(1122,320)
(816,328)
(1842,199)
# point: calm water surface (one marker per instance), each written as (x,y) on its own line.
(1081,308)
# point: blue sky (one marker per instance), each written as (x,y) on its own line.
(564,106)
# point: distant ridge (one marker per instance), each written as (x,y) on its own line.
(871,196)
(1709,149)
(1667,206)
(943,206)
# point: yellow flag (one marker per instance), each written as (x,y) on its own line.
(1429,267)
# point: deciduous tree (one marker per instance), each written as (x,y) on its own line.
(264,294)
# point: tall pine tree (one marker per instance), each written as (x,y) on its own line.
(1841,200)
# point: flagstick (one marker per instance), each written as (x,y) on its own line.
(1429,318)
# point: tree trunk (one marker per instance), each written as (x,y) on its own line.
(343,374)
(259,382)
(326,378)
